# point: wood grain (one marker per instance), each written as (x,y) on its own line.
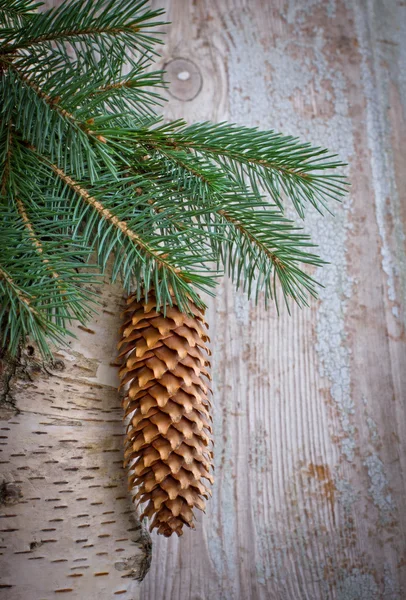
(309,409)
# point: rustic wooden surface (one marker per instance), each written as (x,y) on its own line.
(309,409)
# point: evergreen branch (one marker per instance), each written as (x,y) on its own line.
(19,7)
(98,87)
(87,21)
(22,296)
(36,242)
(66,299)
(67,135)
(255,238)
(106,214)
(150,200)
(19,318)
(87,167)
(13,13)
(6,156)
(132,92)
(53,102)
(281,165)
(266,254)
(33,301)
(168,277)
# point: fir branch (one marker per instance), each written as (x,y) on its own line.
(13,13)
(86,167)
(264,153)
(53,102)
(22,296)
(6,156)
(280,165)
(255,238)
(106,214)
(168,277)
(20,318)
(88,21)
(270,249)
(133,92)
(67,135)
(36,242)
(33,301)
(244,231)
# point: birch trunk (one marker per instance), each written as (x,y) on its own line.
(67,524)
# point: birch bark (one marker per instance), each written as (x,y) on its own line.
(67,524)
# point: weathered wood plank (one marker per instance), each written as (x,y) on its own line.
(309,409)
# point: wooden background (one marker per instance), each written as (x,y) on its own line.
(309,409)
(310,421)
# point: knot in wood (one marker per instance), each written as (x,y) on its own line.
(184,79)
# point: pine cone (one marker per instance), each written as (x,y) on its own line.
(168,442)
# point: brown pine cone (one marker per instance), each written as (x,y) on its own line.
(168,440)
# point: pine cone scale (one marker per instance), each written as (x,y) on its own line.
(165,360)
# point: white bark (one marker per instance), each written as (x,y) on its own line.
(68,527)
